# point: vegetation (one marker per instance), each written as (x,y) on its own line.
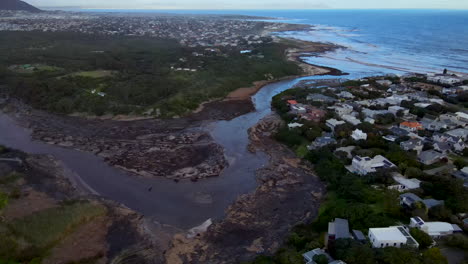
(29,238)
(424,240)
(133,74)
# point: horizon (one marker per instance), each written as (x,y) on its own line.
(246,5)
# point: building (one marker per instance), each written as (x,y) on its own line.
(344,109)
(365,165)
(337,229)
(462,175)
(458,133)
(433,229)
(295,125)
(322,141)
(359,236)
(309,257)
(384,82)
(317,97)
(394,236)
(351,119)
(395,109)
(412,145)
(359,135)
(314,114)
(404,184)
(411,126)
(463,117)
(346,95)
(430,157)
(333,123)
(298,109)
(408,199)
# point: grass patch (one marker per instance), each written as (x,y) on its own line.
(93,74)
(302,150)
(45,228)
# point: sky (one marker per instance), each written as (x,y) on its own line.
(252,4)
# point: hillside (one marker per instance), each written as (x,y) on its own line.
(17,5)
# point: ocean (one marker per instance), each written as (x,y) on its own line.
(375,41)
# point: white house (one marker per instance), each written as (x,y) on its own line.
(463,117)
(359,135)
(365,165)
(404,184)
(294,125)
(394,236)
(351,119)
(344,109)
(332,123)
(433,229)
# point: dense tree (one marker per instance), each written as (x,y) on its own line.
(424,240)
(433,256)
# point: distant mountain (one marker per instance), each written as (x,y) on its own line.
(17,5)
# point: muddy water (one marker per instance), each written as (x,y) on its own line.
(185,204)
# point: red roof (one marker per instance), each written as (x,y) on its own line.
(411,124)
(292,102)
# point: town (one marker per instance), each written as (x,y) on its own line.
(393,150)
(190,30)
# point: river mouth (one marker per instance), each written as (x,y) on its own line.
(183,204)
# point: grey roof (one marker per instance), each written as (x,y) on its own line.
(443,146)
(430,155)
(411,197)
(432,202)
(358,235)
(339,228)
(410,144)
(398,131)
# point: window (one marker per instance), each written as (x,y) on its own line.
(394,244)
(381,245)
(386,244)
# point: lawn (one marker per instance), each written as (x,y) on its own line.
(46,227)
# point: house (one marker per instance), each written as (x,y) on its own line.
(444,79)
(369,120)
(412,145)
(351,119)
(458,133)
(430,157)
(390,138)
(408,199)
(294,125)
(433,229)
(321,142)
(399,132)
(337,229)
(463,117)
(365,165)
(346,95)
(384,82)
(298,109)
(309,257)
(411,126)
(343,109)
(359,135)
(404,184)
(394,236)
(316,97)
(291,102)
(462,175)
(395,109)
(314,114)
(442,147)
(333,123)
(359,236)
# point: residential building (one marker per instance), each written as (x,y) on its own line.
(395,109)
(433,229)
(408,199)
(294,125)
(317,97)
(346,95)
(321,142)
(343,109)
(365,165)
(309,257)
(458,133)
(404,184)
(337,229)
(298,109)
(351,119)
(394,236)
(430,157)
(462,175)
(359,135)
(359,236)
(443,147)
(412,145)
(314,114)
(411,126)
(384,82)
(463,117)
(333,123)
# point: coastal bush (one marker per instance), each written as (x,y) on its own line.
(457,240)
(424,240)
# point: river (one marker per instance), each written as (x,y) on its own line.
(184,204)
